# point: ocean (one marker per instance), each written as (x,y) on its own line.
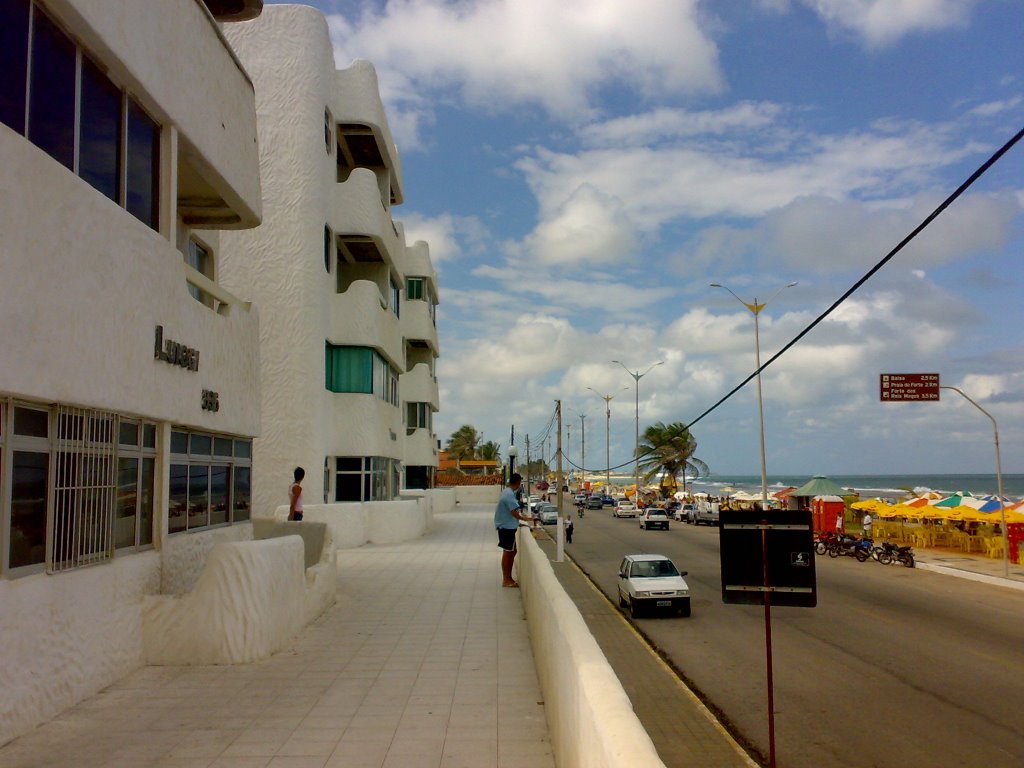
(869,486)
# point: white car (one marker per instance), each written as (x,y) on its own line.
(624,509)
(547,514)
(653,517)
(652,581)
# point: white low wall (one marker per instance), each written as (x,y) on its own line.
(248,603)
(371,522)
(477,494)
(67,636)
(590,717)
(442,499)
(184,555)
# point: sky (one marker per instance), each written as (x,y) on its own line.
(583,170)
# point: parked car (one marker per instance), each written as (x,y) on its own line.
(624,509)
(653,517)
(547,513)
(594,502)
(652,581)
(607,501)
(706,513)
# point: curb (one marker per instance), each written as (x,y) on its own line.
(970,575)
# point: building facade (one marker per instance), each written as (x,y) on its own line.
(348,335)
(129,387)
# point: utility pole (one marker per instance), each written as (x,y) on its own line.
(607,434)
(560,552)
(583,448)
(528,473)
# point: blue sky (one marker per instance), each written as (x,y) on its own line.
(583,169)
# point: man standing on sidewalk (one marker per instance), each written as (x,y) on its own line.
(507,515)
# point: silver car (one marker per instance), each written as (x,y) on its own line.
(652,581)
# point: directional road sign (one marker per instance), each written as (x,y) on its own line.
(908,387)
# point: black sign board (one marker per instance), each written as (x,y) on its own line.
(789,544)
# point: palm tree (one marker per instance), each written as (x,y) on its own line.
(489,450)
(464,442)
(669,448)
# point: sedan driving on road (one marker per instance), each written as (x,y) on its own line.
(653,517)
(624,509)
(652,581)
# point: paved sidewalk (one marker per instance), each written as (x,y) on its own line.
(403,671)
(953,562)
(684,732)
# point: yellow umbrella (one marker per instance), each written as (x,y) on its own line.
(872,505)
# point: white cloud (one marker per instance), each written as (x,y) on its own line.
(883,22)
(991,108)
(590,227)
(504,54)
(449,236)
(665,123)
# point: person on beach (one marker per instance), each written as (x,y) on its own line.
(295,495)
(867,525)
(507,515)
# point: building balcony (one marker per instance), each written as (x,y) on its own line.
(417,264)
(362,123)
(176,62)
(357,212)
(363,425)
(360,317)
(418,326)
(419,386)
(421,448)
(82,325)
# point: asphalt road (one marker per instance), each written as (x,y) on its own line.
(894,667)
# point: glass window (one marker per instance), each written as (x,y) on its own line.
(349,369)
(51,125)
(29,486)
(128,433)
(200,445)
(395,297)
(243,449)
(31,423)
(142,198)
(328,238)
(222,446)
(349,464)
(126,511)
(13,62)
(218,494)
(240,496)
(198,496)
(414,288)
(99,140)
(146,501)
(149,435)
(179,442)
(201,260)
(348,487)
(177,513)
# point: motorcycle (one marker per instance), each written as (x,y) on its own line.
(851,546)
(889,553)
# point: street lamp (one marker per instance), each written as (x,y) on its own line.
(636,377)
(756,308)
(583,447)
(607,435)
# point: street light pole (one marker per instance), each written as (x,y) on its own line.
(636,377)
(756,308)
(607,435)
(999,480)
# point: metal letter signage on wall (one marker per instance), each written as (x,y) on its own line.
(174,352)
(908,387)
(789,547)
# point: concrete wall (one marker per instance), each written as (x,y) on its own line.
(248,603)
(443,499)
(67,636)
(184,555)
(590,717)
(477,494)
(372,522)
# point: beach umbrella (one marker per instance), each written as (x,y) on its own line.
(956,500)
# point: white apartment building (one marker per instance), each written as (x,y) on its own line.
(348,339)
(129,386)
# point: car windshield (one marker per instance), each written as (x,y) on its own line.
(651,569)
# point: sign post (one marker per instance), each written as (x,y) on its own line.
(766,559)
(908,387)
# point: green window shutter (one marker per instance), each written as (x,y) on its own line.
(414,288)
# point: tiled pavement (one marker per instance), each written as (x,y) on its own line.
(683,731)
(423,661)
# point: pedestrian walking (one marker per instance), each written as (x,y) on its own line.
(568,530)
(507,515)
(295,495)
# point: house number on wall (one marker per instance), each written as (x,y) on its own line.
(211,400)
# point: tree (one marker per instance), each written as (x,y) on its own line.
(489,450)
(464,442)
(669,448)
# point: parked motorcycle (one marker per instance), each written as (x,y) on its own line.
(851,546)
(888,553)
(823,540)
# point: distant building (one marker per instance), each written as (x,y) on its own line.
(129,387)
(449,463)
(348,339)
